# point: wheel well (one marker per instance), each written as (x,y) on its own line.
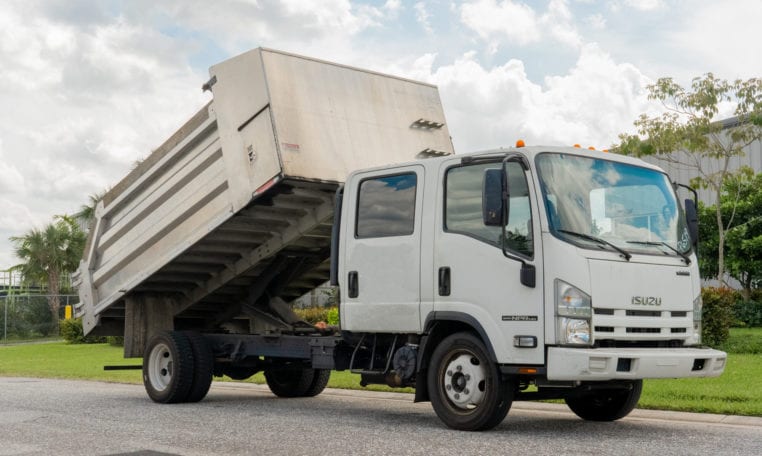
(436,331)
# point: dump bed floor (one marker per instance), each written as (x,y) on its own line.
(277,246)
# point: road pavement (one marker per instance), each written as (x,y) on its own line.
(44,417)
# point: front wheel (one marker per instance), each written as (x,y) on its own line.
(606,404)
(466,388)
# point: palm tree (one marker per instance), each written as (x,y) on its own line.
(48,254)
(87,211)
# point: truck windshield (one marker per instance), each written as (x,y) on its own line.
(631,207)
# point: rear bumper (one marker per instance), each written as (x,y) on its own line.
(633,363)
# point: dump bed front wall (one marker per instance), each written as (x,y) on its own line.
(332,119)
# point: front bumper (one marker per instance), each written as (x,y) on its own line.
(633,363)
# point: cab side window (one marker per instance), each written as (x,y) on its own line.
(386,206)
(463,207)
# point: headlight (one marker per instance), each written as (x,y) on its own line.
(697,308)
(573,312)
(574,331)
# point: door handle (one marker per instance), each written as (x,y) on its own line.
(444,281)
(353,285)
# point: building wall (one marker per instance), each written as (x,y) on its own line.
(679,168)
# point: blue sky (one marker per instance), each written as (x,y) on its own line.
(90,86)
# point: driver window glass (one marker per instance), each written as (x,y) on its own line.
(463,207)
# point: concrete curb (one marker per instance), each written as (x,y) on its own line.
(532,407)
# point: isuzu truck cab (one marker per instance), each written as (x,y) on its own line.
(562,271)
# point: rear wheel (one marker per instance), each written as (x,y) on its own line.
(290,382)
(203,367)
(607,404)
(319,382)
(168,367)
(465,387)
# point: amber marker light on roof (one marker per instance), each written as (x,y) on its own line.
(520,143)
(577,146)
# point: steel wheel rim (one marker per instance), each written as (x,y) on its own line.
(463,381)
(160,367)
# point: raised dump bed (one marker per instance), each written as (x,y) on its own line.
(236,207)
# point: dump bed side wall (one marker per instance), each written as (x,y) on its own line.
(158,214)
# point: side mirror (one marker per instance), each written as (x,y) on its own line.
(691,217)
(493,209)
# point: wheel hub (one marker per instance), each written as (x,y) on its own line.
(160,367)
(464,381)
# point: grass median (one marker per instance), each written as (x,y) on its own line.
(737,392)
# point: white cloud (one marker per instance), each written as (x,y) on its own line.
(645,5)
(507,20)
(596,21)
(510,22)
(422,16)
(714,37)
(490,107)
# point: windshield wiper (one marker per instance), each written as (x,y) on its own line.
(664,244)
(589,237)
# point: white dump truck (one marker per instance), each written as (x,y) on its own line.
(478,279)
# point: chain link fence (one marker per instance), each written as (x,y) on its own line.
(26,317)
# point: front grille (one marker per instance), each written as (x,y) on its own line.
(604,311)
(641,327)
(643,313)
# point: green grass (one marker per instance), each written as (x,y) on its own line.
(738,391)
(744,341)
(86,361)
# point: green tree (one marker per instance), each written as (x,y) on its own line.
(87,211)
(687,134)
(744,239)
(741,201)
(50,253)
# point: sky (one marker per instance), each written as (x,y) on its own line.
(89,87)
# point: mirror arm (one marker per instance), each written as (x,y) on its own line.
(690,189)
(528,272)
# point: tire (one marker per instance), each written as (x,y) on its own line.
(466,388)
(319,382)
(203,367)
(290,382)
(168,367)
(606,405)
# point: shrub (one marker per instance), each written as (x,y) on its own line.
(332,317)
(115,341)
(71,331)
(747,313)
(313,315)
(717,314)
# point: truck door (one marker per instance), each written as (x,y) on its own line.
(381,234)
(475,281)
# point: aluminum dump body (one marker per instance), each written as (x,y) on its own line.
(241,196)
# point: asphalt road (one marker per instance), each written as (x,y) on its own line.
(60,417)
